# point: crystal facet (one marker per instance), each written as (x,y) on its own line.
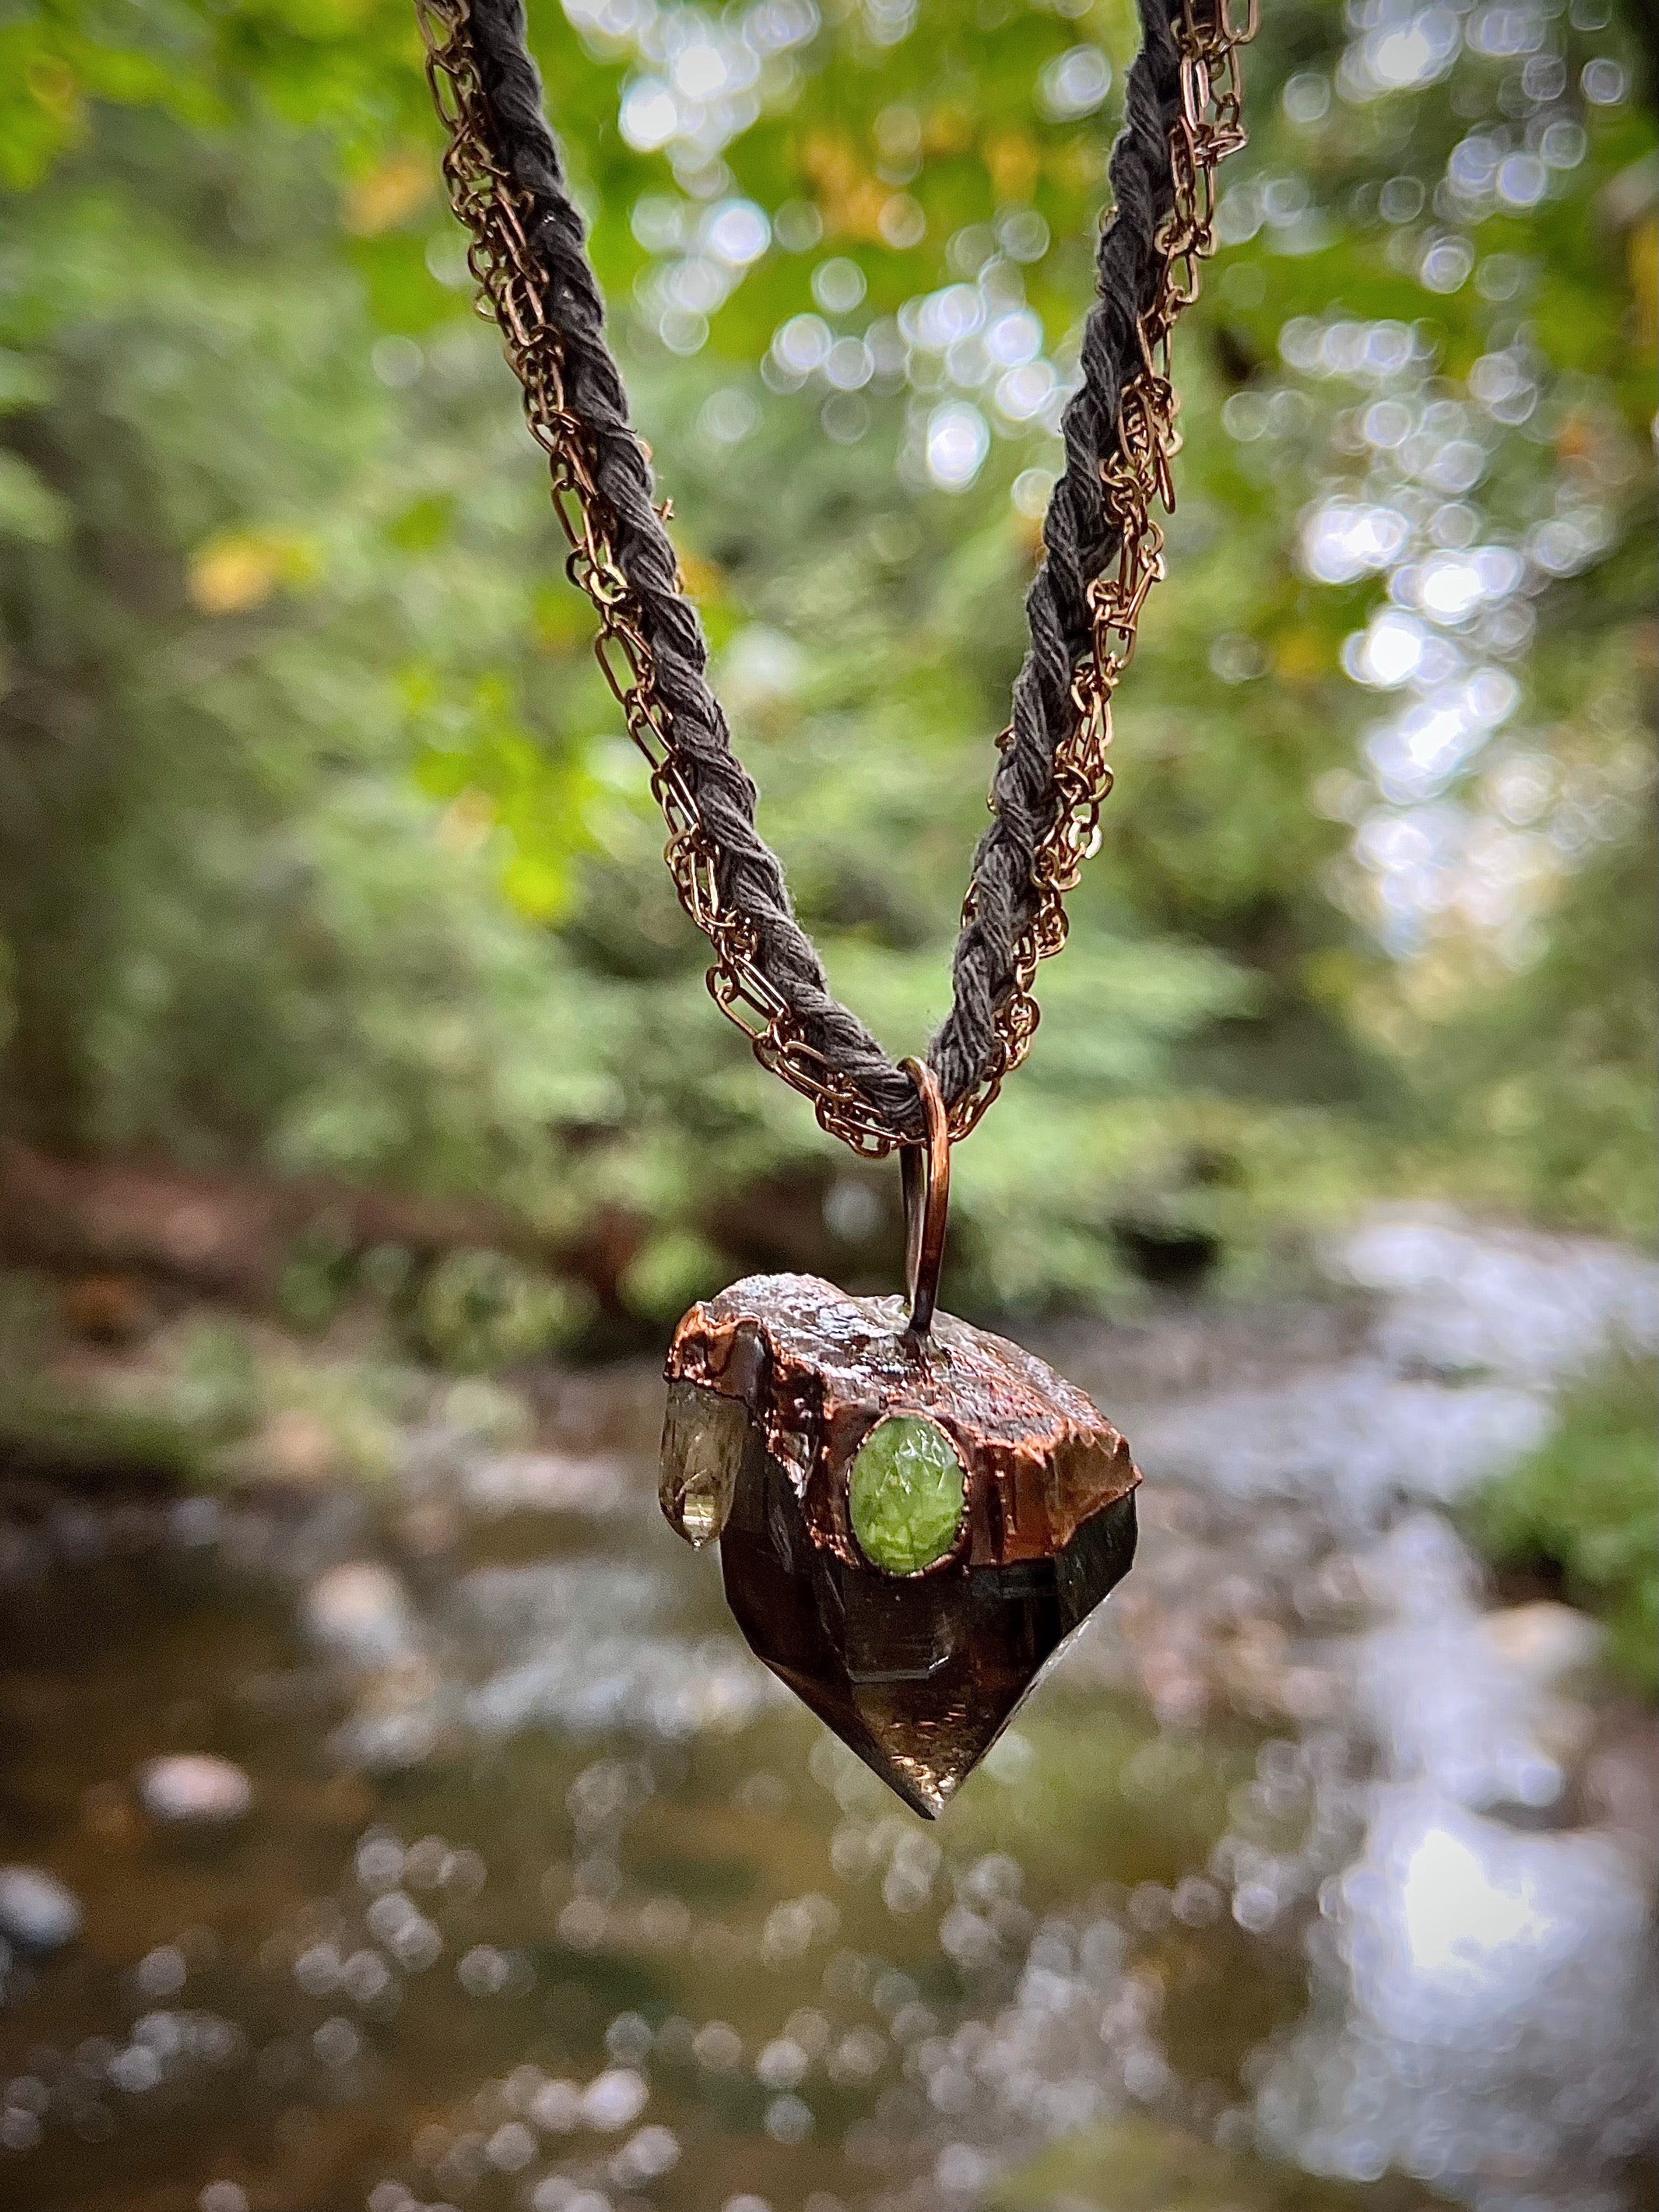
(785,1384)
(703,1440)
(907,1496)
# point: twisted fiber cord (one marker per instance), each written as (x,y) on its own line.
(1080,539)
(1080,542)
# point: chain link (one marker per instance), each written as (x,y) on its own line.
(1136,479)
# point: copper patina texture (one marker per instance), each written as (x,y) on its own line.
(818,1368)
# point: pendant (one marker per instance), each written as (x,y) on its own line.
(914,1516)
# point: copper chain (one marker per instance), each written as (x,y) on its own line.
(496,217)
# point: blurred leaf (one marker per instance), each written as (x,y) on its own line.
(29,508)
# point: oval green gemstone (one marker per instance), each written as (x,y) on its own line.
(906,1496)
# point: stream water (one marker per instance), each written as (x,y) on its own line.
(1308,1878)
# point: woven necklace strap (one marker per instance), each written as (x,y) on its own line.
(1102,552)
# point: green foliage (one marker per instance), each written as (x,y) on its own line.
(478,1310)
(204,1402)
(1569,1131)
(324,848)
(172,1420)
(268,941)
(1583,1505)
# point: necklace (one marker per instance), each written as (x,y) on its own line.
(912,1514)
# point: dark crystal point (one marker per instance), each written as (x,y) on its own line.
(774,1386)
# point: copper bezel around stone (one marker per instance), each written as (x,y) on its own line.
(961,1536)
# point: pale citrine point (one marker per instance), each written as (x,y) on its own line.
(702,1447)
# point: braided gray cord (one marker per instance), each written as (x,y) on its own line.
(1080,538)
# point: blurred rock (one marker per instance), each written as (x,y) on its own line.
(343,1437)
(110,1310)
(359,1612)
(429,1529)
(1542,1642)
(194,1523)
(488,1412)
(399,1720)
(432,1455)
(194,1789)
(293,1446)
(37,1912)
(545,1482)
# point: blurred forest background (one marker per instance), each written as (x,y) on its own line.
(360,1095)
(324,857)
(365,1125)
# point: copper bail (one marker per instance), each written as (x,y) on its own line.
(925,1168)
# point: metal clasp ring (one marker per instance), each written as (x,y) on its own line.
(925,1169)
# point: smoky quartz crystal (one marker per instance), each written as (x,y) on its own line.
(824,1444)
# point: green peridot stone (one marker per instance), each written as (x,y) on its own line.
(906,1496)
